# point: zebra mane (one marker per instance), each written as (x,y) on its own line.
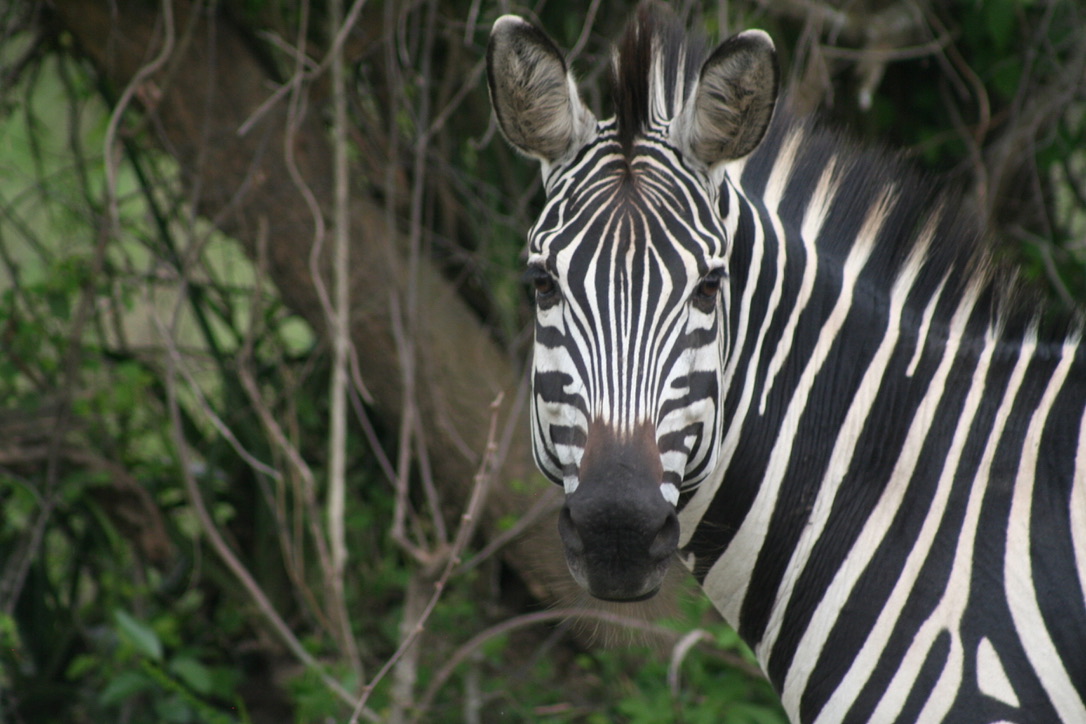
(962,253)
(654,70)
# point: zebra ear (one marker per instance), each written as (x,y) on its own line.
(534,96)
(727,116)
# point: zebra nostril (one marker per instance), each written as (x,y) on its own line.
(666,540)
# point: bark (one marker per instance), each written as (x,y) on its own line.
(211,84)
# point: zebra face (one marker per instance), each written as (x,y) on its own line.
(628,263)
(629,338)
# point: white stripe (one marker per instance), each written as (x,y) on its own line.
(991,677)
(813,219)
(925,326)
(774,193)
(590,320)
(845,446)
(1017,566)
(706,492)
(947,616)
(670,492)
(840,460)
(1078,507)
(731,572)
(873,533)
(925,238)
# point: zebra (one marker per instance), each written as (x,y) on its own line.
(790,363)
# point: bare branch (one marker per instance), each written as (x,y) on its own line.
(341,345)
(560,614)
(222,548)
(466,530)
(121,106)
(678,655)
(293,85)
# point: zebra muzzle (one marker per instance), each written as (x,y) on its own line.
(619,531)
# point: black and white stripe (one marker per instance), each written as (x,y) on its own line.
(626,343)
(874,445)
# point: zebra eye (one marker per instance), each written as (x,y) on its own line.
(708,288)
(545,286)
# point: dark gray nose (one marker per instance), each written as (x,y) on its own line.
(618,530)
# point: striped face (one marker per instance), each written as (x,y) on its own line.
(627,261)
(628,265)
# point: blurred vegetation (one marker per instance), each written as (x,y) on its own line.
(144,359)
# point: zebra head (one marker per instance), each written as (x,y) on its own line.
(629,265)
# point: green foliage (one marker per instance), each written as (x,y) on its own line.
(177,686)
(1003,86)
(88,461)
(141,637)
(712,691)
(623,684)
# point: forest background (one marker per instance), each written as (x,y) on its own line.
(263,443)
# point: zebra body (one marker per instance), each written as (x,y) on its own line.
(787,362)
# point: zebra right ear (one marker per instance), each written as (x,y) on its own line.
(534,96)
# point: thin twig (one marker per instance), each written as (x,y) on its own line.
(295,117)
(679,651)
(307,482)
(884,55)
(589,22)
(296,80)
(559,614)
(371,436)
(17,569)
(219,544)
(122,105)
(341,344)
(551,502)
(468,522)
(414,264)
(217,422)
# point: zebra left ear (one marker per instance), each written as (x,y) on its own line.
(729,112)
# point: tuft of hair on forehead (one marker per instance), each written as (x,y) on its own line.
(655,68)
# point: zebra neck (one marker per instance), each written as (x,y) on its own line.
(850,387)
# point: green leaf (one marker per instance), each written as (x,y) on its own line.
(124,686)
(1000,20)
(727,638)
(195,675)
(9,631)
(1006,77)
(173,709)
(753,713)
(82,665)
(139,634)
